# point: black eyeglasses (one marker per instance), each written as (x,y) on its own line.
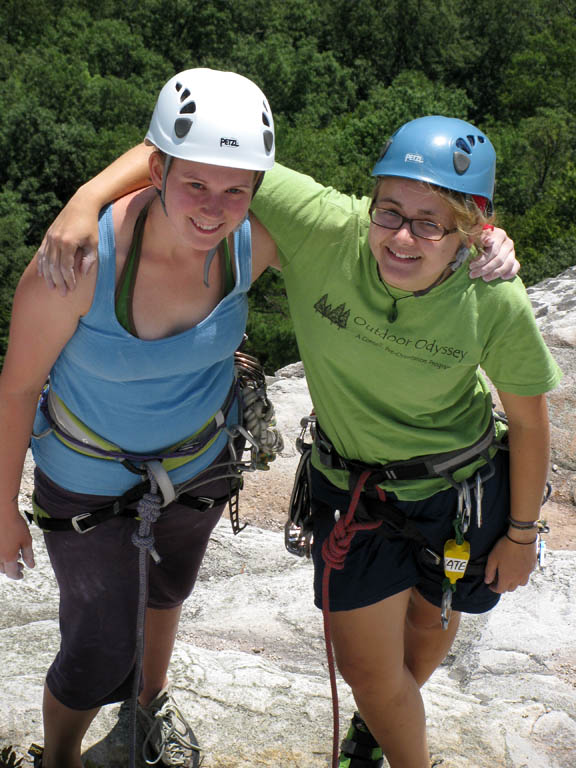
(428,230)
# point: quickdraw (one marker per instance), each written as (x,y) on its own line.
(258,416)
(298,528)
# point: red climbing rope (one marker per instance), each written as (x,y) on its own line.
(334,551)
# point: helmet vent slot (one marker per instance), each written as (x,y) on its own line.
(385,149)
(178,86)
(184,95)
(471,139)
(464,146)
(481,139)
(182,126)
(268,141)
(265,119)
(188,109)
(461,162)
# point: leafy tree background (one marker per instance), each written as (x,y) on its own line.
(78,80)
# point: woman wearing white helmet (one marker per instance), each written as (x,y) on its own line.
(131,356)
(392,268)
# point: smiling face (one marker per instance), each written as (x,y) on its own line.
(204,203)
(405,261)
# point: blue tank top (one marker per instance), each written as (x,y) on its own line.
(142,395)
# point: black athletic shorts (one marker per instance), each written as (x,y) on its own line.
(377,567)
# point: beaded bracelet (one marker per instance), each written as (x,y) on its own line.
(522,525)
(524,543)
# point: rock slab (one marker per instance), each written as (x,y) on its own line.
(249,667)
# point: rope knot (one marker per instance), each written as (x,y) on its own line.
(148,511)
(150,507)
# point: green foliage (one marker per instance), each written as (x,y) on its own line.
(14,256)
(270,334)
(78,81)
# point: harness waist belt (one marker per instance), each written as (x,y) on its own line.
(76,435)
(432,465)
(122,507)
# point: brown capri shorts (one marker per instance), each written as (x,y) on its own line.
(97,573)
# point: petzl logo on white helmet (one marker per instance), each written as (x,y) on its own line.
(229,142)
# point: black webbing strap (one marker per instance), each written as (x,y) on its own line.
(432,465)
(121,507)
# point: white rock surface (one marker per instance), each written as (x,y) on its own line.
(250,670)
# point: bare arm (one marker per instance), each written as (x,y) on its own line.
(510,564)
(70,245)
(264,251)
(33,347)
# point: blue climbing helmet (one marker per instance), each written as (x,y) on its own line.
(444,151)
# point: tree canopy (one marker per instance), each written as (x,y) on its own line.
(78,81)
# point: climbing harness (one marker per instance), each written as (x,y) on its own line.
(256,428)
(298,529)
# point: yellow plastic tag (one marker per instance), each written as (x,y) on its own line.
(456,557)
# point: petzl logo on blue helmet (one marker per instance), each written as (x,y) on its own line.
(413,157)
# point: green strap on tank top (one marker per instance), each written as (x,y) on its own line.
(125,289)
(124,294)
(229,280)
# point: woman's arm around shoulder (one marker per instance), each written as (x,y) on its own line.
(42,322)
(70,245)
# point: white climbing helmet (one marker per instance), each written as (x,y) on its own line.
(214,117)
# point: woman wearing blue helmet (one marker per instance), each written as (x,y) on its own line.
(416,512)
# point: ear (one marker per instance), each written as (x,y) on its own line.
(156,167)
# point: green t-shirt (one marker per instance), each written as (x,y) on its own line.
(391,391)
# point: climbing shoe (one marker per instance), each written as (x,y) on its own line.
(360,749)
(169,740)
(36,753)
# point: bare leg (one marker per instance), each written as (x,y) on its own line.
(64,729)
(369,649)
(159,639)
(426,644)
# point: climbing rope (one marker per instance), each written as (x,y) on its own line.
(148,511)
(334,551)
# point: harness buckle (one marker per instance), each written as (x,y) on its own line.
(75,521)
